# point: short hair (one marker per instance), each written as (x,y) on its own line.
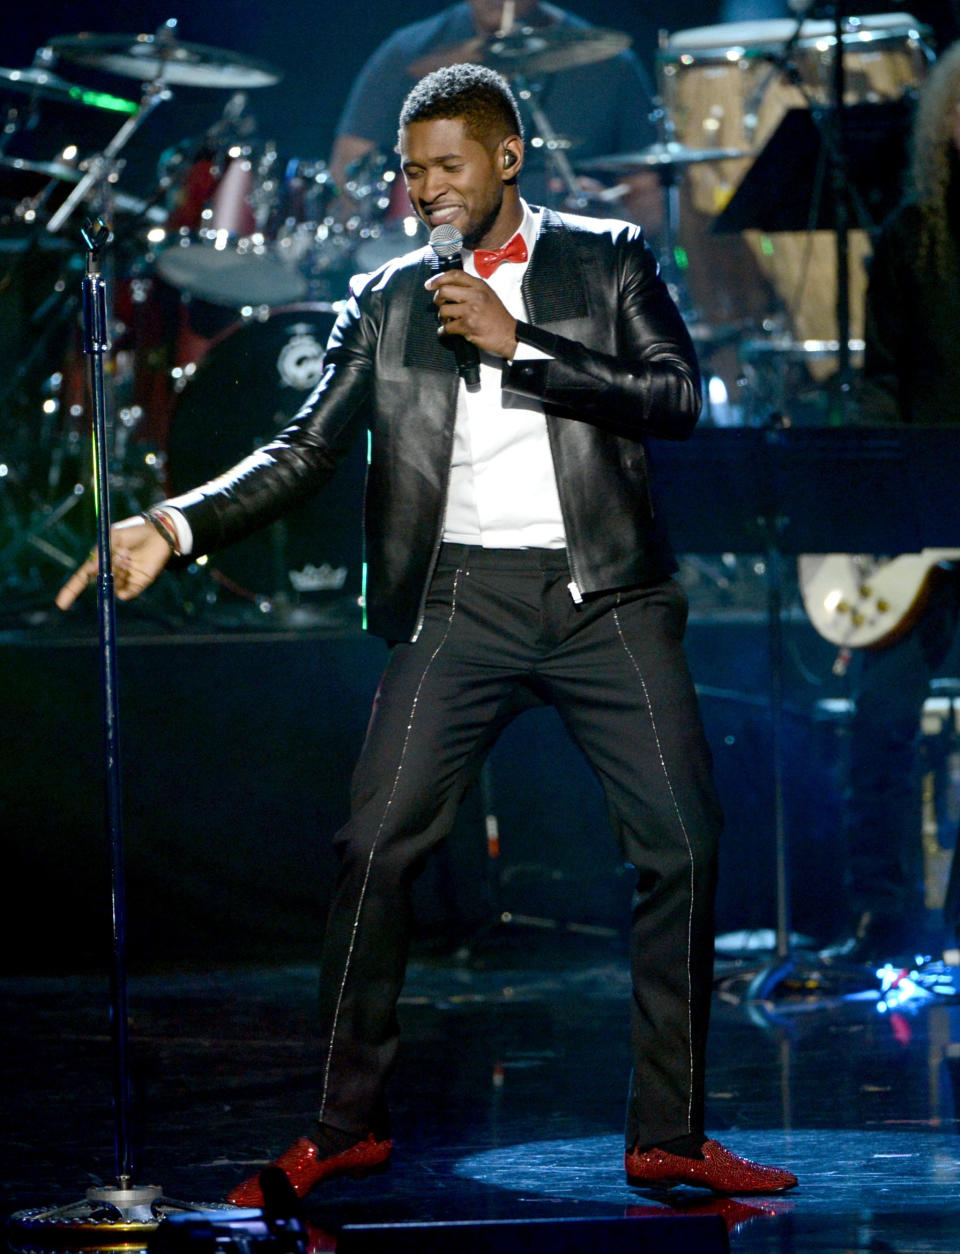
(475,93)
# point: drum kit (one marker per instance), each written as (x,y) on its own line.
(228,272)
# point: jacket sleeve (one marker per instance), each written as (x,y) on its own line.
(650,386)
(302,457)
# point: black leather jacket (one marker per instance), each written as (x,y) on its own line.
(621,368)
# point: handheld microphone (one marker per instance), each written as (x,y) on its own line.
(446,242)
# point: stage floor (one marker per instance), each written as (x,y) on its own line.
(507,1099)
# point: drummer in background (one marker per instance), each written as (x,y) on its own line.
(602,107)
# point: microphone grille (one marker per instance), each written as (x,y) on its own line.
(446,240)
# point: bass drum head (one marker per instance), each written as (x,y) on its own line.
(253,379)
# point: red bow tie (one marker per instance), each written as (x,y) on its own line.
(487,259)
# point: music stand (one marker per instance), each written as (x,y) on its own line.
(785,187)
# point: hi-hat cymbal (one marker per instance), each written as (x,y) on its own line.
(529,50)
(167,59)
(36,82)
(659,155)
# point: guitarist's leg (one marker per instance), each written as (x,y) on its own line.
(884,812)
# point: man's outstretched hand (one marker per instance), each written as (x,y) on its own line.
(138,554)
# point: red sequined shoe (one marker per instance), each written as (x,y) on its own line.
(304,1168)
(719,1170)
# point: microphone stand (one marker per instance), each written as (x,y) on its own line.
(552,142)
(123,1207)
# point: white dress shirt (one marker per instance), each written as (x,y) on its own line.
(502,491)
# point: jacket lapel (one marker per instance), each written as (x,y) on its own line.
(423,348)
(554,287)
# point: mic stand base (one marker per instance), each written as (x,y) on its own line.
(114,1217)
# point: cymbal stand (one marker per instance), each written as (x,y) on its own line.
(556,154)
(668,251)
(841,208)
(40,526)
(124,1206)
(102,166)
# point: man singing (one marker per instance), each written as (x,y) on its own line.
(515,554)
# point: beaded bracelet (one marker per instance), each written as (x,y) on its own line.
(162,524)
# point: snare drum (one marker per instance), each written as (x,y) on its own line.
(252,380)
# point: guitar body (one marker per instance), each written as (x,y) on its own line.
(862,602)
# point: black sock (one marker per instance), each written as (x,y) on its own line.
(688,1146)
(330,1140)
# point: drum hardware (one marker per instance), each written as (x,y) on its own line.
(41,518)
(44,533)
(91,185)
(310,239)
(229,258)
(368,182)
(33,188)
(792,189)
(554,146)
(326,232)
(223,194)
(102,169)
(310,190)
(776,378)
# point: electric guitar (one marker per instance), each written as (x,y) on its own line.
(862,602)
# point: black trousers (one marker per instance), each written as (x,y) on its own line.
(501,629)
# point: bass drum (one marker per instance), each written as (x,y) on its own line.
(251,382)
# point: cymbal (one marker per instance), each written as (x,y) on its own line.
(659,155)
(36,82)
(529,50)
(167,59)
(457,54)
(544,50)
(33,175)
